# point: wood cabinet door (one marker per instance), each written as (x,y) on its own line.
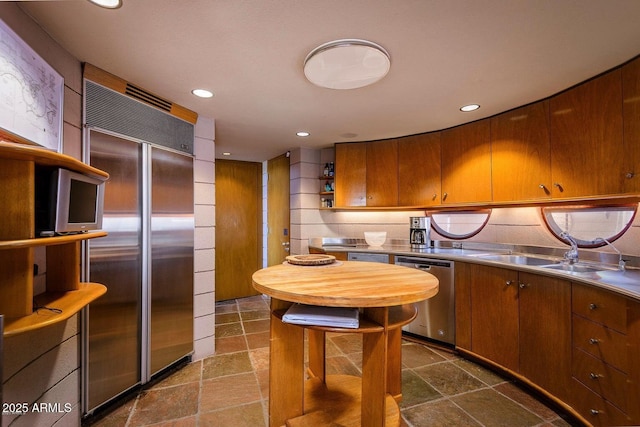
(494,315)
(520,154)
(466,163)
(351,175)
(631,120)
(462,281)
(586,139)
(545,332)
(382,173)
(419,170)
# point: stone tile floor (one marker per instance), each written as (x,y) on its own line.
(231,387)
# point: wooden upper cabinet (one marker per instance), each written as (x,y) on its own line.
(466,163)
(631,119)
(350,174)
(586,139)
(382,173)
(419,170)
(520,154)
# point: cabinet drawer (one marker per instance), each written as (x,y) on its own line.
(601,378)
(600,306)
(595,409)
(601,342)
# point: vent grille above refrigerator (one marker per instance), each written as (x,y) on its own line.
(122,114)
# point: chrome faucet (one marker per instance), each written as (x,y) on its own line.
(621,262)
(572,254)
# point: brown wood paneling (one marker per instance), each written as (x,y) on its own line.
(586,139)
(520,154)
(238,227)
(382,173)
(106,79)
(419,170)
(545,332)
(351,175)
(631,123)
(494,315)
(17,199)
(278,209)
(466,163)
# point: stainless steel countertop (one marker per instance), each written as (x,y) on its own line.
(603,272)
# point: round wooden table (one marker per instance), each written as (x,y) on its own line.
(386,293)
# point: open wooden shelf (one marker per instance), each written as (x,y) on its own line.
(398,317)
(53,307)
(50,241)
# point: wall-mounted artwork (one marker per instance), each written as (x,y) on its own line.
(31,93)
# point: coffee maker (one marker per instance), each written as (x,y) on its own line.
(420,232)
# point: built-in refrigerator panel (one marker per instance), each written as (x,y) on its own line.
(144,323)
(114,320)
(172,225)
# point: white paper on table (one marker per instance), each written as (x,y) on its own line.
(341,317)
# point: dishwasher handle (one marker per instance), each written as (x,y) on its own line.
(422,267)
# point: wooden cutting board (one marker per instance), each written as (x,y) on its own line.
(311,259)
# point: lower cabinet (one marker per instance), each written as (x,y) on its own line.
(520,321)
(605,358)
(578,343)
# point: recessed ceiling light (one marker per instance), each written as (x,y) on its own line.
(202,93)
(303,133)
(470,107)
(226,153)
(108,4)
(346,64)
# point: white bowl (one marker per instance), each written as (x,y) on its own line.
(375,238)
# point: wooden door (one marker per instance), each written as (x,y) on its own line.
(277,210)
(419,170)
(351,174)
(631,130)
(520,154)
(466,163)
(382,173)
(545,332)
(586,139)
(494,314)
(238,227)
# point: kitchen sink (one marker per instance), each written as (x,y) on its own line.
(573,268)
(517,259)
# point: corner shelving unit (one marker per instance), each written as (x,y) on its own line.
(64,295)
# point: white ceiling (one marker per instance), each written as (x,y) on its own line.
(444,54)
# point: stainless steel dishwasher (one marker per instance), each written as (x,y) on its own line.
(436,315)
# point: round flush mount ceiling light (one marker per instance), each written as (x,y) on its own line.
(470,107)
(346,64)
(202,93)
(107,4)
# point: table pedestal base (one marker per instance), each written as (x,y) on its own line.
(338,402)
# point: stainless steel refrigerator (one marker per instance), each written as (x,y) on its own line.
(144,323)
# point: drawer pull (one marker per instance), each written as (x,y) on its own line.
(594,376)
(593,341)
(594,411)
(592,306)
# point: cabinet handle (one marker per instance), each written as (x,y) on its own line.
(558,186)
(593,306)
(629,175)
(544,188)
(435,196)
(594,376)
(509,282)
(523,285)
(593,341)
(594,411)
(444,196)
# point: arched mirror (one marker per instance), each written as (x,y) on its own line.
(589,225)
(459,224)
